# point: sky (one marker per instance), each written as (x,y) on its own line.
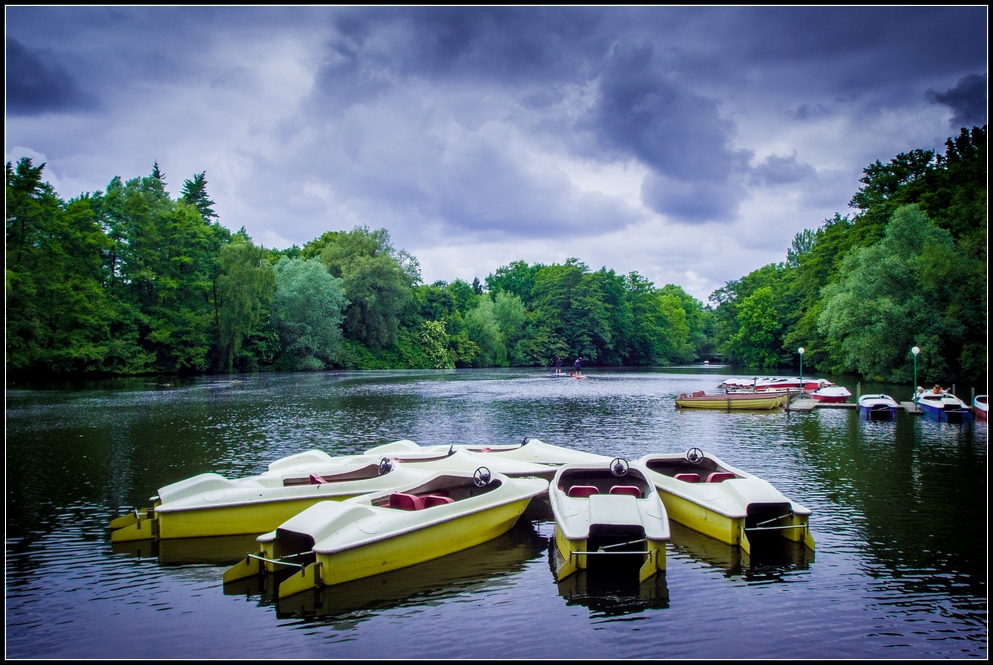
(687,144)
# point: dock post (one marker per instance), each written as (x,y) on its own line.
(858,390)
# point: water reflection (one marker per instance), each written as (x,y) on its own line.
(479,569)
(216,550)
(768,561)
(609,594)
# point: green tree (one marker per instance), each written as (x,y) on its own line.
(195,193)
(307,313)
(245,290)
(758,323)
(900,292)
(377,279)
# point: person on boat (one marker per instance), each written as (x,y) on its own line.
(579,366)
(558,365)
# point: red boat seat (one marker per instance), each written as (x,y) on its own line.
(720,477)
(317,480)
(406,501)
(688,477)
(629,490)
(582,491)
(435,500)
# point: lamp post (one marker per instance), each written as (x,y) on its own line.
(915,350)
(801,350)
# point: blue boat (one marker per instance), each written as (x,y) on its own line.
(942,405)
(877,407)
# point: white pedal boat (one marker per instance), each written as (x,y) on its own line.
(334,542)
(714,498)
(878,406)
(531,451)
(211,505)
(606,511)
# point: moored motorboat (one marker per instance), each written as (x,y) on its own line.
(710,496)
(334,542)
(211,505)
(942,404)
(731,401)
(831,394)
(610,514)
(981,406)
(877,406)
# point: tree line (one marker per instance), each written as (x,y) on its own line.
(131,281)
(908,268)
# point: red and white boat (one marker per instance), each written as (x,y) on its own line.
(831,394)
(981,407)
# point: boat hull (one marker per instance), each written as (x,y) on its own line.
(235,520)
(732,505)
(733,402)
(946,414)
(878,413)
(418,546)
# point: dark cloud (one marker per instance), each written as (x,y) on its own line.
(775,170)
(37,84)
(692,201)
(967,99)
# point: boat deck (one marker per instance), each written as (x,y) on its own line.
(804,404)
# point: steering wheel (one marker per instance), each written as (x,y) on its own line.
(619,467)
(524,442)
(482,477)
(694,455)
(385,466)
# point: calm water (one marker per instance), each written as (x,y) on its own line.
(899,518)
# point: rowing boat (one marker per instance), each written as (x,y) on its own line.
(731,401)
(710,496)
(609,514)
(335,542)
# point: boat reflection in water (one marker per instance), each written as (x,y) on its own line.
(768,558)
(214,550)
(469,571)
(611,592)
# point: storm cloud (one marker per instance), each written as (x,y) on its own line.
(689,144)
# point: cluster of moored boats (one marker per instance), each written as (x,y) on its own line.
(328,520)
(773,392)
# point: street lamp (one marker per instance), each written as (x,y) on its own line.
(801,350)
(915,350)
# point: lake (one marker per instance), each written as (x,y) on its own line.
(899,519)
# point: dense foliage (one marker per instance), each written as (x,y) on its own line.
(909,268)
(131,281)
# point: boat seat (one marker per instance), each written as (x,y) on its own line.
(720,477)
(315,479)
(629,490)
(435,500)
(582,491)
(406,501)
(688,477)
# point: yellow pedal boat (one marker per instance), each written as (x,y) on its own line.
(335,542)
(211,505)
(607,513)
(532,451)
(712,497)
(731,401)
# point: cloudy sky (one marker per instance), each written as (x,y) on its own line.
(687,144)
